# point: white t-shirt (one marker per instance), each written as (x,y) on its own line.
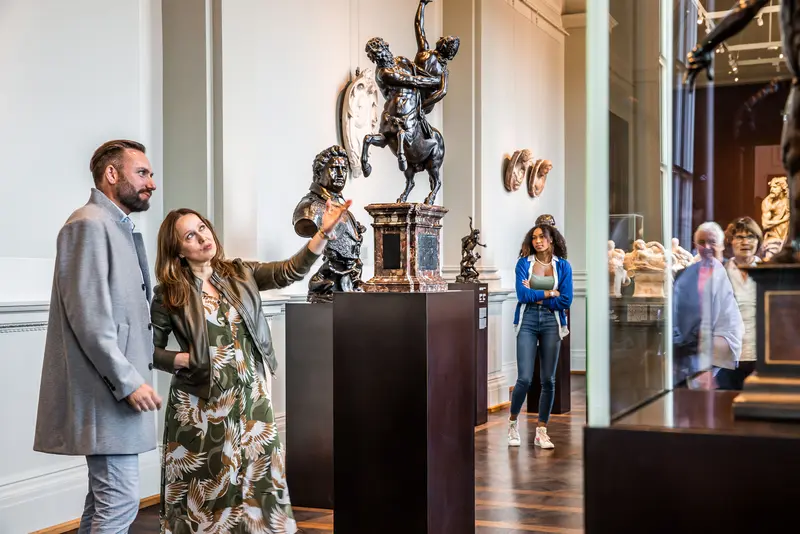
(744,289)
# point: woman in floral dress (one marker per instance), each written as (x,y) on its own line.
(223,465)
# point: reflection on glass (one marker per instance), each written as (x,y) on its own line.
(638,256)
(699,209)
(727,174)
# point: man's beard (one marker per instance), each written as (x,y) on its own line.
(129,197)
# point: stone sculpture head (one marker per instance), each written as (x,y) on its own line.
(331,167)
(778,187)
(544,168)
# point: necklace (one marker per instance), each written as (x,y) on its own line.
(540,262)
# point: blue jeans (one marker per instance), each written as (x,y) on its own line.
(538,335)
(113,500)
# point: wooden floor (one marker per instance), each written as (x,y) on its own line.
(518,490)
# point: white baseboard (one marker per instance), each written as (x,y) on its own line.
(55,498)
(578,360)
(498,389)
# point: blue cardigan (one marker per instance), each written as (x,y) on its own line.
(559,305)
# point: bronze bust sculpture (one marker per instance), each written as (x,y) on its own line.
(341,268)
(411,90)
(700,59)
(468,257)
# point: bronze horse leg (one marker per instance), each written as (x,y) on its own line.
(378,140)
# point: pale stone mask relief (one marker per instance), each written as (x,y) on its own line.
(517,170)
(360,116)
(538,178)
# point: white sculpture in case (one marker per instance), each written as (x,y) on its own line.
(618,276)
(647,265)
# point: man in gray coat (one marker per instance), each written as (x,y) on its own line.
(95,400)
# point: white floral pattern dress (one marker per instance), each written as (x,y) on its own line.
(224,465)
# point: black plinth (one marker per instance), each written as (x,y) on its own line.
(773,391)
(481,292)
(563,402)
(404,397)
(682,463)
(309,404)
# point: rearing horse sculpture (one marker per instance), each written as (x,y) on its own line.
(411,90)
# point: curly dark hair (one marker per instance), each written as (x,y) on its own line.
(375,46)
(325,156)
(552,233)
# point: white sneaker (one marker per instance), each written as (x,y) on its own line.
(542,439)
(513,433)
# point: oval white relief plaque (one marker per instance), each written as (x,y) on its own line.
(360,116)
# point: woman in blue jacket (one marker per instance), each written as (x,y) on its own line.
(544,294)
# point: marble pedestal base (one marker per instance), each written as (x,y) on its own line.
(407,248)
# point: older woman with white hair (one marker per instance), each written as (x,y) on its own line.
(707,323)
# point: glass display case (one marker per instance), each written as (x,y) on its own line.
(693,289)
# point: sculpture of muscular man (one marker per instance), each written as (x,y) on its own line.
(341,270)
(700,58)
(404,128)
(433,62)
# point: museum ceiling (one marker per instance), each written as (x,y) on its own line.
(755,52)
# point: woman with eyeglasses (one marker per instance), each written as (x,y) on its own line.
(744,237)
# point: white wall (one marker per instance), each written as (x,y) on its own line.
(271,104)
(521,96)
(522,83)
(283,73)
(75,74)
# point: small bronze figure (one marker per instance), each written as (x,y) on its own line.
(341,268)
(546,218)
(701,58)
(411,90)
(469,257)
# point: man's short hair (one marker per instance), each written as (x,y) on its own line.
(710,227)
(325,156)
(110,153)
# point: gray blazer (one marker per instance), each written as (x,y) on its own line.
(99,345)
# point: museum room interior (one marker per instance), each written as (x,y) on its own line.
(398,366)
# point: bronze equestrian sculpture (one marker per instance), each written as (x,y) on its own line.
(700,58)
(411,90)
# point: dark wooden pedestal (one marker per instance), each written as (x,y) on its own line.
(682,463)
(481,292)
(773,391)
(404,398)
(309,404)
(562,402)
